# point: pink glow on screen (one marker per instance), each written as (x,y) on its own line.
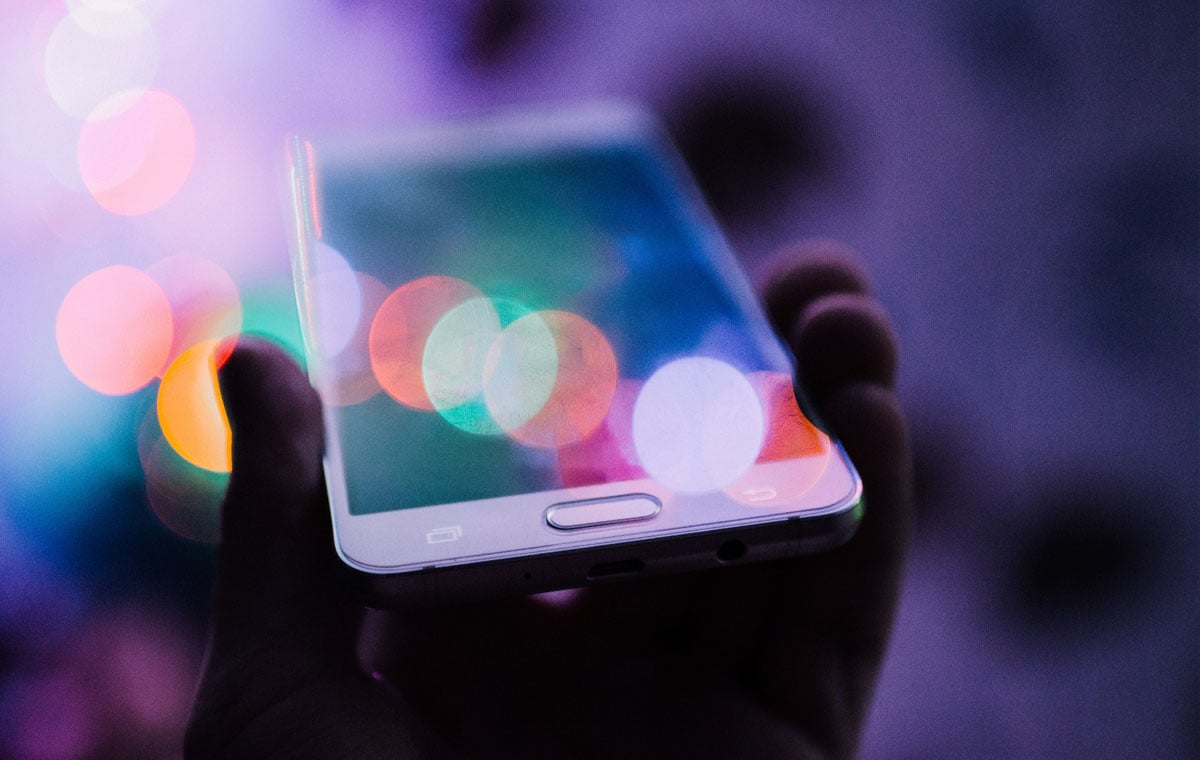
(401,329)
(136,151)
(115,330)
(584,384)
(608,454)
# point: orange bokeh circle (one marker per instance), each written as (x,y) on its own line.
(190,411)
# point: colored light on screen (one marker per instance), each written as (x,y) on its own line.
(347,378)
(185,498)
(190,410)
(453,364)
(607,455)
(519,371)
(795,454)
(92,54)
(337,300)
(114,330)
(401,329)
(136,151)
(697,425)
(203,298)
(790,434)
(584,383)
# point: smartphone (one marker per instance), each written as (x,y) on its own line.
(540,364)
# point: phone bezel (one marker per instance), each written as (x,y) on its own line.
(369,543)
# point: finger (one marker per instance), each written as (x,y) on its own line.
(281,677)
(834,610)
(843,339)
(275,572)
(808,271)
(848,338)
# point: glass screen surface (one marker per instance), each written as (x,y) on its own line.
(528,322)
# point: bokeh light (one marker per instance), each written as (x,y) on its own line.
(453,364)
(608,454)
(111,20)
(136,151)
(49,716)
(204,300)
(697,425)
(139,659)
(190,411)
(185,498)
(347,378)
(269,311)
(790,434)
(35,134)
(150,9)
(519,371)
(114,330)
(794,453)
(92,54)
(400,331)
(337,300)
(584,383)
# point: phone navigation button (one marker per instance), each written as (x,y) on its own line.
(611,510)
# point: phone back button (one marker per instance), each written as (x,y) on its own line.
(611,510)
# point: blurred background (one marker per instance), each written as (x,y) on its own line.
(1023,180)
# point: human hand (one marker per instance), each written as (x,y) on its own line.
(772,659)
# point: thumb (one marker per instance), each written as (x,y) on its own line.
(276,568)
(281,678)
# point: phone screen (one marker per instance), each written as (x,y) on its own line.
(528,321)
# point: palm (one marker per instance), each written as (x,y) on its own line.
(667,668)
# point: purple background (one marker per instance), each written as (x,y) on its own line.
(1021,178)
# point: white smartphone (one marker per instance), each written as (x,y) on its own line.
(541,366)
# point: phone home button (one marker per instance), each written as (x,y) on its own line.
(610,510)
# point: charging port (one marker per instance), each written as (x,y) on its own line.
(609,569)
